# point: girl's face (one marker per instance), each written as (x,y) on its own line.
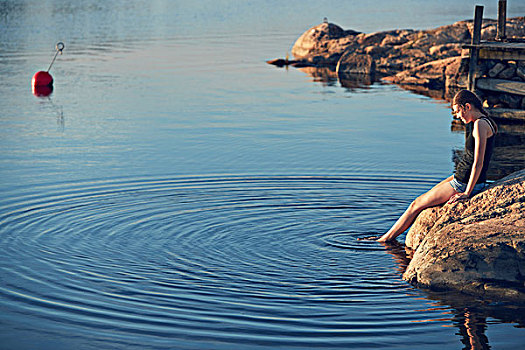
(462,112)
(459,111)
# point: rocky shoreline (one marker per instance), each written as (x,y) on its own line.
(431,62)
(475,247)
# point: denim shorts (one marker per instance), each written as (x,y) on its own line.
(461,187)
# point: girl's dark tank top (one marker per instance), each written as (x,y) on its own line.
(464,166)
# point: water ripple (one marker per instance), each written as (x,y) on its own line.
(265,260)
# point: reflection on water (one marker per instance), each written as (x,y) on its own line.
(42,90)
(437,94)
(221,262)
(509,150)
(244,261)
(322,75)
(58,111)
(329,77)
(471,316)
(474,318)
(174,191)
(355,81)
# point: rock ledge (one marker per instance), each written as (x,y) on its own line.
(475,247)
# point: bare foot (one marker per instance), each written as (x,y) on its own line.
(384,239)
(368,238)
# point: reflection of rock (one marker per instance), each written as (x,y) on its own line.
(323,75)
(355,81)
(476,247)
(329,77)
(469,313)
(279,62)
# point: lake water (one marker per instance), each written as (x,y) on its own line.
(176,192)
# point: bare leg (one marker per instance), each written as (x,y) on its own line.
(439,194)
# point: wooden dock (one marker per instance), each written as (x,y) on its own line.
(504,49)
(499,50)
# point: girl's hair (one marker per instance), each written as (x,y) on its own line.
(465,96)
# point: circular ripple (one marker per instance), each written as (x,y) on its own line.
(235,259)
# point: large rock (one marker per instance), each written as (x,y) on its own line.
(476,247)
(322,44)
(351,63)
(431,75)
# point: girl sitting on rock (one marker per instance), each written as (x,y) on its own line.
(471,172)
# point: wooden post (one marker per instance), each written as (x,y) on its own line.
(474,51)
(502,20)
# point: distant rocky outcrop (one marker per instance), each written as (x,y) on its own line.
(476,247)
(395,50)
(421,60)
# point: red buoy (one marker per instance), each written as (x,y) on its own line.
(42,79)
(42,82)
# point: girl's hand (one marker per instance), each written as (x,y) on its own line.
(457,197)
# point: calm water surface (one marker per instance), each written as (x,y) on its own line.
(176,192)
